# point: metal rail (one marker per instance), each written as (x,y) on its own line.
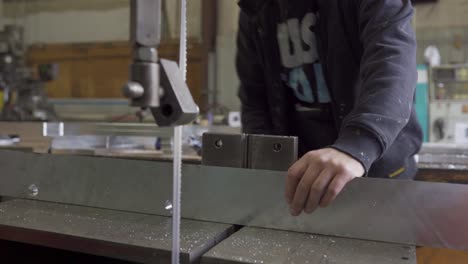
(57,129)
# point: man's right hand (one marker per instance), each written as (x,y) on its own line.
(317,179)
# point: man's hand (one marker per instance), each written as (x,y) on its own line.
(317,179)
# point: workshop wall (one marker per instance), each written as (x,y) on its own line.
(98,70)
(88,39)
(445,25)
(70,21)
(444,13)
(227,80)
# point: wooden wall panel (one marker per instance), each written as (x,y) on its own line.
(62,88)
(195,74)
(98,70)
(79,79)
(112,75)
(441,256)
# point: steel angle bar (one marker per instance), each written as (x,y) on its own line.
(404,212)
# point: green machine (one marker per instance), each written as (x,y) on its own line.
(421,99)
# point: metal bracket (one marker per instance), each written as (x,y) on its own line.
(176,103)
(260,152)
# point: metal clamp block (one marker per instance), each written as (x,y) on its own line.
(260,152)
(224,150)
(276,153)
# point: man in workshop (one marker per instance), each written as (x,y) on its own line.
(340,75)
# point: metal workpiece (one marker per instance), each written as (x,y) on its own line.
(224,150)
(386,210)
(256,245)
(276,153)
(176,106)
(145,22)
(128,236)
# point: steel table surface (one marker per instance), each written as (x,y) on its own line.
(257,245)
(116,234)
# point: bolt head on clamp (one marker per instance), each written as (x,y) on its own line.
(143,89)
(133,90)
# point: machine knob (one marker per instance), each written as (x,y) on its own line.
(133,90)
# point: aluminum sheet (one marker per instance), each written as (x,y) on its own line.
(122,235)
(405,212)
(256,245)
